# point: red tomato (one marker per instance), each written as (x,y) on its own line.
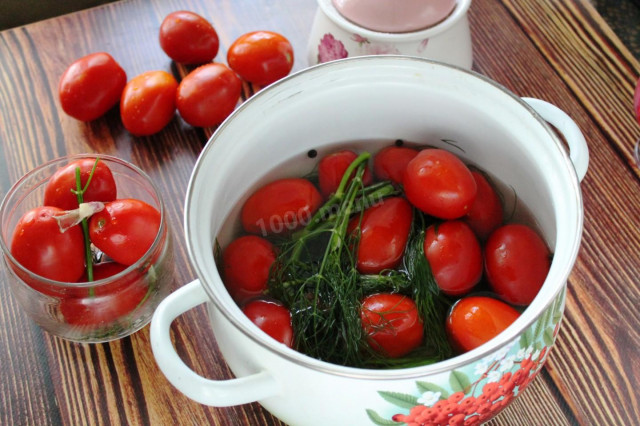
(485,214)
(384,233)
(246,265)
(281,206)
(91,86)
(392,324)
(440,184)
(109,301)
(476,320)
(102,187)
(517,262)
(261,57)
(148,102)
(455,256)
(208,95)
(391,162)
(125,229)
(104,270)
(188,38)
(39,246)
(272,318)
(331,169)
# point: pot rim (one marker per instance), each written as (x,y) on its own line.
(512,333)
(459,12)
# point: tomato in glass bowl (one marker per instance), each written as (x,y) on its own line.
(68,298)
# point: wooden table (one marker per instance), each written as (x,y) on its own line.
(560,51)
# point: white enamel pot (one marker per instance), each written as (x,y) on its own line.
(366,103)
(332,36)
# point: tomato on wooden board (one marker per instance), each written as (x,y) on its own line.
(125,229)
(280,207)
(455,256)
(475,320)
(91,86)
(247,261)
(148,102)
(102,187)
(391,162)
(517,262)
(39,245)
(188,38)
(108,301)
(261,57)
(332,167)
(384,231)
(272,318)
(439,183)
(392,324)
(486,213)
(208,95)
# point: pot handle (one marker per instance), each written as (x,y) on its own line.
(578,149)
(219,393)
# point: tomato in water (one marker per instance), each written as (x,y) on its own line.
(391,162)
(125,229)
(486,213)
(517,261)
(439,183)
(91,86)
(188,38)
(247,261)
(102,187)
(148,102)
(475,320)
(272,318)
(280,207)
(39,246)
(455,256)
(108,301)
(331,169)
(208,95)
(384,231)
(392,324)
(261,57)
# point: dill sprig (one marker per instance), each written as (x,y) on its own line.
(432,304)
(315,275)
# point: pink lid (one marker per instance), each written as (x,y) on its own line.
(395,16)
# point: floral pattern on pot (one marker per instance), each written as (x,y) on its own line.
(476,393)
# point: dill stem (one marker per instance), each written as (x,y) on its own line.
(336,197)
(84,224)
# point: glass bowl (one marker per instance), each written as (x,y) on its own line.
(104,309)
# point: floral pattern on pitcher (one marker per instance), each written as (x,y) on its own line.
(330,48)
(480,391)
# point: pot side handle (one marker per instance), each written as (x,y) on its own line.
(578,149)
(218,393)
